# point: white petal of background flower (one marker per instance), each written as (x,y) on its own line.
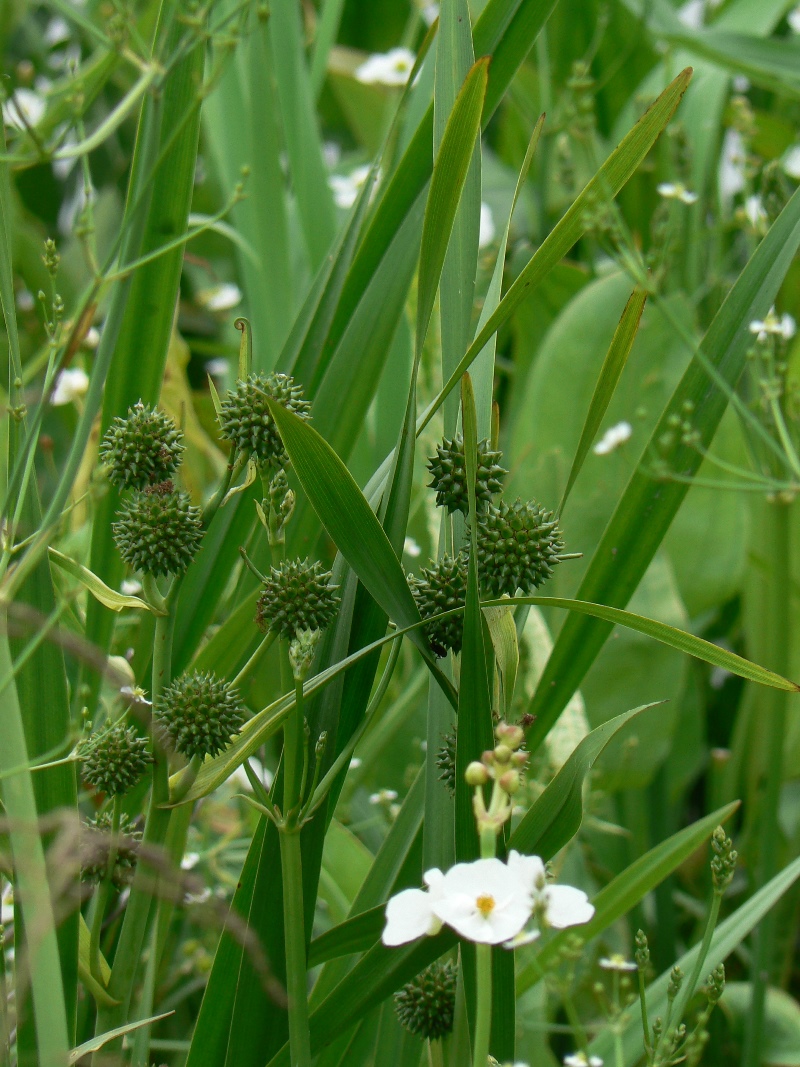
(793,18)
(791,162)
(578,1059)
(617,962)
(27,104)
(346,187)
(71,384)
(731,177)
(220,297)
(487,231)
(387,68)
(529,869)
(613,438)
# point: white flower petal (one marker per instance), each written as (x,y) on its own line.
(487,228)
(566,906)
(409,916)
(484,901)
(692,14)
(617,962)
(613,438)
(25,107)
(578,1059)
(791,162)
(529,869)
(524,937)
(387,68)
(221,297)
(793,18)
(731,176)
(71,384)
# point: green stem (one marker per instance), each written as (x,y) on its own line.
(255,659)
(483,1012)
(645,1020)
(435,1053)
(145,886)
(295,947)
(777,639)
(103,893)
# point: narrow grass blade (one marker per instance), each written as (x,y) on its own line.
(447,183)
(95,1043)
(629,888)
(728,935)
(555,817)
(648,505)
(610,373)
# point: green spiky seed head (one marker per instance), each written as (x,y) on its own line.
(442,587)
(518,547)
(449,472)
(446,762)
(426,1005)
(143,448)
(95,845)
(297,595)
(245,419)
(158,531)
(115,760)
(200,714)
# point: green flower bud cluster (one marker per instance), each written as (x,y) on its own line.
(158,530)
(503,765)
(723,863)
(442,587)
(115,760)
(96,841)
(142,449)
(518,545)
(246,421)
(200,714)
(426,1005)
(449,472)
(297,595)
(446,762)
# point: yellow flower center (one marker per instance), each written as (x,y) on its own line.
(485,905)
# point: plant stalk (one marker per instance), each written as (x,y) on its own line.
(295,946)
(483,1012)
(778,637)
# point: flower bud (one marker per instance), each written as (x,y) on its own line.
(426,1005)
(200,713)
(518,547)
(115,760)
(449,472)
(502,754)
(246,421)
(142,449)
(510,782)
(476,774)
(158,531)
(301,653)
(520,758)
(509,734)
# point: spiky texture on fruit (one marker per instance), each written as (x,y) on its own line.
(446,762)
(246,421)
(95,844)
(518,547)
(449,472)
(426,1005)
(297,595)
(158,531)
(441,588)
(115,760)
(200,714)
(143,448)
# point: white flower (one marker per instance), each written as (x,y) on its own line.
(25,108)
(485,901)
(25,301)
(346,187)
(741,84)
(791,162)
(220,297)
(676,191)
(355,763)
(135,696)
(578,1059)
(387,68)
(754,212)
(731,176)
(430,13)
(775,326)
(613,438)
(692,14)
(7,908)
(70,385)
(383,796)
(411,548)
(410,914)
(190,860)
(130,587)
(331,153)
(92,338)
(617,962)
(793,18)
(217,367)
(487,230)
(56,31)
